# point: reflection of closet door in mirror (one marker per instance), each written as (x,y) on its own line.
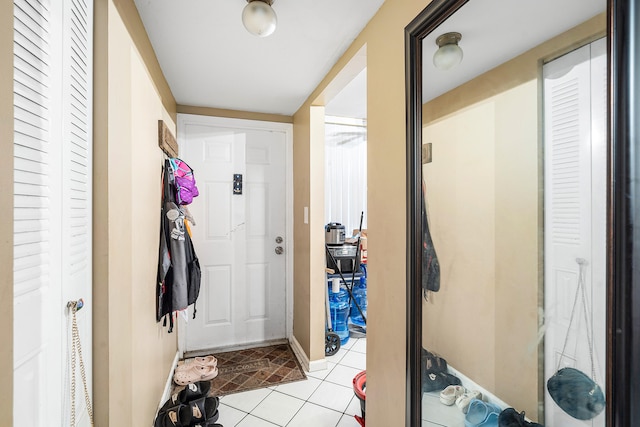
(575,218)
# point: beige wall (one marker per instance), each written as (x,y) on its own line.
(483,193)
(482,196)
(6,200)
(384,38)
(132,353)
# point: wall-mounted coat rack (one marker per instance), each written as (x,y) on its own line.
(166,141)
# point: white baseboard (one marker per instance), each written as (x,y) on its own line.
(167,387)
(307,365)
(317,365)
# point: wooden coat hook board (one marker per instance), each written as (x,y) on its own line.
(166,141)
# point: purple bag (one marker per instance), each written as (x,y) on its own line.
(187,190)
(184,181)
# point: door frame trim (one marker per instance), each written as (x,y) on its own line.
(287,128)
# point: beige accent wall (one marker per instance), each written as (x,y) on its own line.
(386,367)
(484,195)
(132,353)
(6,200)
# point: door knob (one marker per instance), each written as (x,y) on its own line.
(279,250)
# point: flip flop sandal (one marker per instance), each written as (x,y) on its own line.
(176,416)
(211,422)
(195,373)
(190,392)
(203,410)
(199,361)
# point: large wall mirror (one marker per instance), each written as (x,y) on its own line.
(511,210)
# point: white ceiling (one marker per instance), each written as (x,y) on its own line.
(351,101)
(507,28)
(210,60)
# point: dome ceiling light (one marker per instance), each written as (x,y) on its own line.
(449,53)
(259,18)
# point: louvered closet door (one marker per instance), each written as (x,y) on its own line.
(575,203)
(52,200)
(76,169)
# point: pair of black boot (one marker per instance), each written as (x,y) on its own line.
(190,407)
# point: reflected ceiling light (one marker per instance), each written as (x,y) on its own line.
(449,53)
(259,18)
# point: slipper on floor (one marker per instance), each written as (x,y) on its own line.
(449,395)
(482,414)
(201,411)
(211,422)
(199,361)
(190,392)
(195,373)
(463,401)
(176,416)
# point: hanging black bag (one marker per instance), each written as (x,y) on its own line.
(575,392)
(430,264)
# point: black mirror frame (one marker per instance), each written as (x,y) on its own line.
(623,217)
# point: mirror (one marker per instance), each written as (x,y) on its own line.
(514,230)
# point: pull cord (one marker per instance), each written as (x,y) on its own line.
(76,347)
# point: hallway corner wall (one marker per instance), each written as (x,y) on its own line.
(6,200)
(386,182)
(132,353)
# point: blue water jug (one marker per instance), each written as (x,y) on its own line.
(339,308)
(360,296)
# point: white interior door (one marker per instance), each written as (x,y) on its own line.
(52,205)
(575,216)
(243,292)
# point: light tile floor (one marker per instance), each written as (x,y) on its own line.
(324,399)
(437,414)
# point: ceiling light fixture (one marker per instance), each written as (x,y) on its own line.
(259,18)
(449,53)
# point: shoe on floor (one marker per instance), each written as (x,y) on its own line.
(190,392)
(438,381)
(463,401)
(511,418)
(449,395)
(195,373)
(197,361)
(482,414)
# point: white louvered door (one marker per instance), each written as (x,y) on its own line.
(52,204)
(575,216)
